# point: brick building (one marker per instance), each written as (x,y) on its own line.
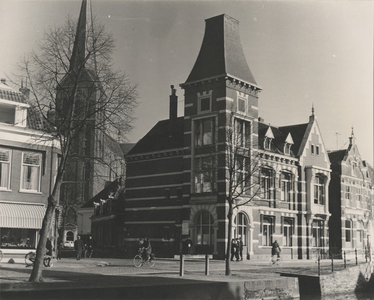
(351,200)
(28,166)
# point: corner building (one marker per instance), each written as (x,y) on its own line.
(176,185)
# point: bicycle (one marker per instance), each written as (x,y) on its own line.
(275,260)
(31,256)
(139,261)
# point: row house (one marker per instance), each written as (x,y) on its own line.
(28,167)
(351,201)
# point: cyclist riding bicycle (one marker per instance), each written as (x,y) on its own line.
(145,248)
(275,249)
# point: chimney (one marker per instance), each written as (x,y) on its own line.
(262,120)
(3,80)
(24,90)
(173,104)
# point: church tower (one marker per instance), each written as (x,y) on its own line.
(221,95)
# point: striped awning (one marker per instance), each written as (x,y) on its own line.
(21,215)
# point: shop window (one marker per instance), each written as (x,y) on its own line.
(4,169)
(17,238)
(204,229)
(319,190)
(204,132)
(31,166)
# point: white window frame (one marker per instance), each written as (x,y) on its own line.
(319,190)
(266,182)
(287,232)
(199,141)
(267,230)
(9,163)
(39,167)
(317,233)
(286,187)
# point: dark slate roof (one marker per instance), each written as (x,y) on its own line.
(337,156)
(279,138)
(162,137)
(297,133)
(103,194)
(126,147)
(221,52)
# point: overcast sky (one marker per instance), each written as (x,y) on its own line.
(301,53)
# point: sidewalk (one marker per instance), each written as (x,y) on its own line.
(102,274)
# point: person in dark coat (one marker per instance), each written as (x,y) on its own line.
(275,249)
(59,247)
(90,244)
(234,250)
(240,248)
(49,247)
(79,247)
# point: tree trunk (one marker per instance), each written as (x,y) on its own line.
(36,274)
(228,249)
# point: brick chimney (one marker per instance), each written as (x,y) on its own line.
(173,109)
(25,91)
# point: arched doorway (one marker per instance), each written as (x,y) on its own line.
(241,229)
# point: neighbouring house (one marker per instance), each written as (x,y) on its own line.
(28,167)
(351,201)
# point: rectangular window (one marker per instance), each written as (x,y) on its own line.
(242,133)
(319,190)
(286,187)
(241,105)
(348,231)
(317,231)
(312,149)
(31,166)
(265,183)
(267,230)
(317,150)
(4,168)
(204,181)
(205,104)
(204,132)
(287,232)
(347,192)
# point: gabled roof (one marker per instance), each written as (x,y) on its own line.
(337,156)
(163,136)
(221,52)
(297,132)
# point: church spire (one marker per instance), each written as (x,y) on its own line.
(79,50)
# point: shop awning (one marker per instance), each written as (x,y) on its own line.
(21,215)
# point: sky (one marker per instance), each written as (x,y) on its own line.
(301,53)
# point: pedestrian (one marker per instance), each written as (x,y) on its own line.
(189,245)
(240,247)
(59,247)
(79,247)
(275,249)
(49,247)
(234,250)
(90,244)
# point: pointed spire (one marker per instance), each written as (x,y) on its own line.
(79,49)
(352,139)
(311,117)
(312,109)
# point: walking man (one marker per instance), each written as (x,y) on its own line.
(240,247)
(79,247)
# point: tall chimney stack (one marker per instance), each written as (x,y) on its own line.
(173,105)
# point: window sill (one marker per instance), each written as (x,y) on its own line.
(5,190)
(30,192)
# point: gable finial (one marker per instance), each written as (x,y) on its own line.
(352,134)
(312,109)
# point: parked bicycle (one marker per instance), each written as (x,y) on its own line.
(275,260)
(31,256)
(140,261)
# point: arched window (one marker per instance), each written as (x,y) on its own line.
(70,236)
(241,223)
(204,229)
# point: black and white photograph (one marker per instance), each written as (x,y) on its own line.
(185,149)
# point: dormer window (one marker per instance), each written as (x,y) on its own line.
(287,148)
(13,113)
(267,143)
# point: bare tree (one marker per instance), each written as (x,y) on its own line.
(236,161)
(75,88)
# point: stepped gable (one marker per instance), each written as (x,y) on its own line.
(221,52)
(162,137)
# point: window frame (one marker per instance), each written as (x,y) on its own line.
(200,132)
(200,100)
(317,233)
(288,225)
(39,167)
(266,178)
(241,224)
(286,187)
(268,223)
(319,190)
(9,163)
(200,225)
(245,101)
(200,172)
